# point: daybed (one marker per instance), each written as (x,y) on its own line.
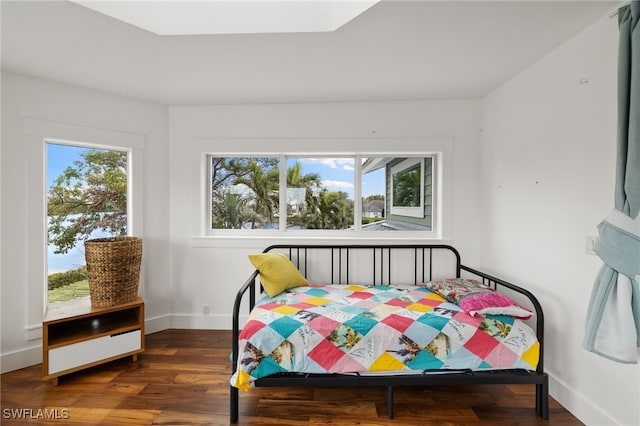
(295,336)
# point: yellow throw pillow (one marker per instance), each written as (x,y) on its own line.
(277,273)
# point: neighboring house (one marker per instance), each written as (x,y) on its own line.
(373,209)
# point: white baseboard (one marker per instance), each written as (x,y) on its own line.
(585,410)
(23,358)
(153,325)
(204,322)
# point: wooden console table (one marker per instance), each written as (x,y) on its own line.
(76,336)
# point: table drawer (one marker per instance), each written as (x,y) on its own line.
(93,350)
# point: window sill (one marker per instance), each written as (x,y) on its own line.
(263,240)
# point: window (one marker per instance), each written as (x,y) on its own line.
(289,193)
(320,192)
(405,202)
(86,198)
(245,192)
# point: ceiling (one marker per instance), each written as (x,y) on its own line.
(396,50)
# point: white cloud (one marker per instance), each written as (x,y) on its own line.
(333,163)
(338,184)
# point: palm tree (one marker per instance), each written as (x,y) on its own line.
(331,211)
(295,178)
(230,212)
(311,184)
(264,187)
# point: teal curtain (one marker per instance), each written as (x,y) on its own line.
(613,315)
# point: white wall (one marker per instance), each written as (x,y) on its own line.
(548,148)
(208,271)
(55,106)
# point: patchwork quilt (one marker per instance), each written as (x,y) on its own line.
(355,328)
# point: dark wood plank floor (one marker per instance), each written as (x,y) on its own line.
(183,378)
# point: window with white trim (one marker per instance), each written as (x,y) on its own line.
(332,193)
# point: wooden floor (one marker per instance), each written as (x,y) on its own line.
(183,378)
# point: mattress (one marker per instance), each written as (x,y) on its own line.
(346,329)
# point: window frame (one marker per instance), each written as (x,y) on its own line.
(357,232)
(208,201)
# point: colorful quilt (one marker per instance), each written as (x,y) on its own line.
(354,328)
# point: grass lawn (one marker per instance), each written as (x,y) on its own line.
(68,292)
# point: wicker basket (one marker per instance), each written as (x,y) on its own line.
(113,269)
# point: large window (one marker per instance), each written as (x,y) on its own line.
(303,193)
(86,198)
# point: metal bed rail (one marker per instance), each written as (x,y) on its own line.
(382,266)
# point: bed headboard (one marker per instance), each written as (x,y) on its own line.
(372,264)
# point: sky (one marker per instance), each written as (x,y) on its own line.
(59,157)
(338,174)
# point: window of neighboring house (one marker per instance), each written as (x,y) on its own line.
(300,193)
(86,198)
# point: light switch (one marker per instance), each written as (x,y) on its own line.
(590,244)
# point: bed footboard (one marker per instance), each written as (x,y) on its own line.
(388,264)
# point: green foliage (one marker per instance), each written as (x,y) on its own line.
(60,279)
(295,178)
(90,195)
(263,185)
(225,171)
(229,213)
(69,292)
(330,210)
(231,209)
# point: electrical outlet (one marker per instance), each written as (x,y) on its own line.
(206,310)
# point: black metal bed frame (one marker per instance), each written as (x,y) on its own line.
(382,268)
